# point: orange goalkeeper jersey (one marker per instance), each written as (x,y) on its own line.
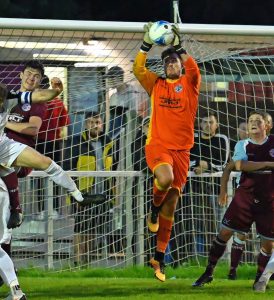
(173,104)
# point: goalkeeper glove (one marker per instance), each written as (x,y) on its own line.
(177,42)
(147,42)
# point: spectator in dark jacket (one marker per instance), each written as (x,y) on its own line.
(90,151)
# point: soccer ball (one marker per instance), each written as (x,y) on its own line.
(161,33)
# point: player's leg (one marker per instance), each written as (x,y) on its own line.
(16,216)
(216,251)
(263,258)
(8,274)
(166,219)
(264,220)
(265,266)
(237,218)
(32,159)
(162,182)
(237,250)
(160,163)
(168,206)
(269,269)
(20,155)
(6,265)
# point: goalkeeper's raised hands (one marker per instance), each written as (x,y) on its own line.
(147,42)
(177,42)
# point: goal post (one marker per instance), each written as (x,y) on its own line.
(237,68)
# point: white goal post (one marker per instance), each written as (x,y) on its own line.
(237,67)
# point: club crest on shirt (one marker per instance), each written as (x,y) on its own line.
(271,152)
(26,107)
(178,88)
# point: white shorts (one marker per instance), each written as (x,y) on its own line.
(5,233)
(9,151)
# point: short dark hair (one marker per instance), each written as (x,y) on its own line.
(35,64)
(44,84)
(168,52)
(209,113)
(115,72)
(92,114)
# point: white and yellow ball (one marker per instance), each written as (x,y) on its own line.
(161,33)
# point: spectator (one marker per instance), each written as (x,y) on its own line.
(242,131)
(138,147)
(242,134)
(209,154)
(140,164)
(49,139)
(124,102)
(90,151)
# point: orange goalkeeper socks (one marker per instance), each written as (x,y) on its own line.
(164,232)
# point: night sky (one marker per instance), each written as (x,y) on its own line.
(247,12)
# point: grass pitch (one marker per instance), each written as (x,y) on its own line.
(137,283)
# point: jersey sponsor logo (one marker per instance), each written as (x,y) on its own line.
(271,152)
(15,118)
(178,88)
(171,103)
(26,107)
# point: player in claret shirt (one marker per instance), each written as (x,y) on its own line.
(15,154)
(254,197)
(174,102)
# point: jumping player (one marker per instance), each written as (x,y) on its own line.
(174,101)
(253,199)
(24,122)
(14,154)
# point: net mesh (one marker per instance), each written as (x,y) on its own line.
(237,77)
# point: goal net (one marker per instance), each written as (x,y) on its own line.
(236,64)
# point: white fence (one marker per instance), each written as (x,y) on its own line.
(116,233)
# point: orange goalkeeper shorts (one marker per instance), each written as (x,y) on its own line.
(157,155)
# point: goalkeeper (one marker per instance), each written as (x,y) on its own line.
(174,101)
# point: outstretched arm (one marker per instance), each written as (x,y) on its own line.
(38,96)
(44,95)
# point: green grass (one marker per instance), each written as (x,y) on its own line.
(136,283)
